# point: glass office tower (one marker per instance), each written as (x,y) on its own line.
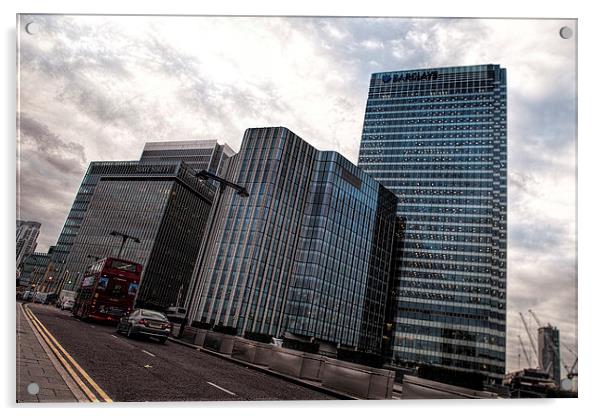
(27,238)
(33,268)
(197,154)
(307,255)
(163,205)
(437,139)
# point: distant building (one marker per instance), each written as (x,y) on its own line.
(163,205)
(33,269)
(27,238)
(307,255)
(548,343)
(530,383)
(437,138)
(198,154)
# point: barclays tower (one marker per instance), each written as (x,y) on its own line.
(437,139)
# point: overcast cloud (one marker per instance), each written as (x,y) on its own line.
(97,88)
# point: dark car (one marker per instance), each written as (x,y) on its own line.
(145,322)
(51,298)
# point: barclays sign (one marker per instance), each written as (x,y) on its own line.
(412,76)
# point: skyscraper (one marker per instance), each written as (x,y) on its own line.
(307,255)
(163,205)
(27,238)
(437,139)
(198,154)
(34,267)
(548,345)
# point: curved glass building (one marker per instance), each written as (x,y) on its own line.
(308,255)
(437,138)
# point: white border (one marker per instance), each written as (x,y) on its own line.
(589,247)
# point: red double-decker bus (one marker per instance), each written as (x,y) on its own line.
(108,290)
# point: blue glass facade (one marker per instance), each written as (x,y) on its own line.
(197,154)
(437,139)
(163,205)
(308,254)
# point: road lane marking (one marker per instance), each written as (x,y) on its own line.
(69,369)
(221,388)
(71,384)
(87,377)
(72,360)
(146,352)
(114,336)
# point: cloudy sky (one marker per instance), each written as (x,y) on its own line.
(97,88)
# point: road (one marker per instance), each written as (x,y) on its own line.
(414,391)
(144,370)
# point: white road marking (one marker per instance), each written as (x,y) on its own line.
(221,388)
(114,336)
(146,352)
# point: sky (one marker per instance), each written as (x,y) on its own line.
(97,88)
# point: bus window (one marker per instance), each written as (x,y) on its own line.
(132,289)
(103,283)
(117,291)
(121,265)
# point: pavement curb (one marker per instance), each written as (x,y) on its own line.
(79,395)
(321,389)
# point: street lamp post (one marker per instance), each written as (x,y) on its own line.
(223,184)
(124,238)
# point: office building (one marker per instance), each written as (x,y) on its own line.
(307,255)
(548,345)
(27,238)
(198,154)
(33,269)
(163,205)
(437,139)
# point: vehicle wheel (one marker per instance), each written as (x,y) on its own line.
(162,340)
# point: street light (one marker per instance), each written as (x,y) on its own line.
(223,184)
(124,238)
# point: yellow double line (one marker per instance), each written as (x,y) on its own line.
(92,391)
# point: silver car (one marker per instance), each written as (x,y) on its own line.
(145,322)
(67,304)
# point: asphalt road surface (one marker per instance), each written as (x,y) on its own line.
(137,370)
(416,392)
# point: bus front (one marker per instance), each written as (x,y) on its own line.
(116,290)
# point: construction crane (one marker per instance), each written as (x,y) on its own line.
(539,325)
(570,350)
(522,317)
(570,372)
(524,352)
(548,339)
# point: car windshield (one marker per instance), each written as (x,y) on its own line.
(153,315)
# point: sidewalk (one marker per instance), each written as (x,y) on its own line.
(34,365)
